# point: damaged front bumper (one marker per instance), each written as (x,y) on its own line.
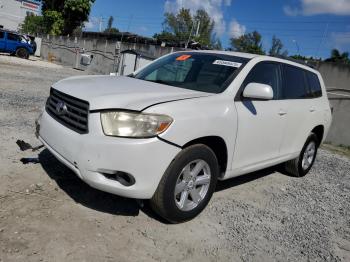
(94,156)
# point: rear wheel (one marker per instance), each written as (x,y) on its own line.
(301,165)
(187,185)
(22,53)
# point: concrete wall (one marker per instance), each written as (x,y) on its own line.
(335,75)
(337,81)
(105,52)
(339,134)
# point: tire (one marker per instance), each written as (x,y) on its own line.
(176,205)
(22,53)
(299,168)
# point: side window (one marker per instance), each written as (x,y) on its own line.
(265,73)
(2,34)
(314,84)
(294,83)
(13,37)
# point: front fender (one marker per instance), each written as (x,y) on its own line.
(200,117)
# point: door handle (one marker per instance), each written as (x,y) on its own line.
(282,113)
(312,109)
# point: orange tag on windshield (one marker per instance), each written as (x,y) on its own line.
(183,57)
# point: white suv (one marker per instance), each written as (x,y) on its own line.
(170,130)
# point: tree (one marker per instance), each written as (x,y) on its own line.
(110,29)
(205,25)
(276,47)
(216,44)
(183,26)
(33,24)
(53,22)
(249,43)
(72,12)
(179,25)
(165,37)
(110,23)
(338,57)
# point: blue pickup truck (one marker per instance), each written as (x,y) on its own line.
(15,44)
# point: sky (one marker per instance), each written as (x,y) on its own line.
(306,27)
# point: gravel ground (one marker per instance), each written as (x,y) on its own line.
(48,214)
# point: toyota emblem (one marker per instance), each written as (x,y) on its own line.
(61,108)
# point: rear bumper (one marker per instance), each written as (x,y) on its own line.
(88,154)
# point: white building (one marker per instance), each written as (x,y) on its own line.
(13,12)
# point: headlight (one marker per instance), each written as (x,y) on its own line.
(129,124)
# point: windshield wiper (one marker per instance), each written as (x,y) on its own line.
(160,82)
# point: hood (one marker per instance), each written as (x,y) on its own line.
(104,92)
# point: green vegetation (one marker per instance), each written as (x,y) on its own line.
(249,43)
(110,29)
(183,26)
(60,17)
(337,57)
(276,47)
(33,24)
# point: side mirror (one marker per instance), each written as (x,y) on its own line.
(258,91)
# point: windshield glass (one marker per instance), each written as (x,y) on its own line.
(203,72)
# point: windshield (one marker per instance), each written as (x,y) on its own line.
(211,73)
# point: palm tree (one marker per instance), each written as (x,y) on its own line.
(338,57)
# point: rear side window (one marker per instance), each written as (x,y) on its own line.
(2,34)
(294,83)
(265,73)
(13,37)
(314,84)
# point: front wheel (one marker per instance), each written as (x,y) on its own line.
(301,165)
(187,185)
(22,53)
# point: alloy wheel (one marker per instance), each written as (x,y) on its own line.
(309,155)
(192,185)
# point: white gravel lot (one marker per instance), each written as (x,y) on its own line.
(33,61)
(48,214)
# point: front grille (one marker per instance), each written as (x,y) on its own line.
(68,110)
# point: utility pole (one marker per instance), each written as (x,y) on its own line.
(296,43)
(101,22)
(323,38)
(198,25)
(189,37)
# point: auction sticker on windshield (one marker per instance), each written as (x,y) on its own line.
(227,63)
(183,57)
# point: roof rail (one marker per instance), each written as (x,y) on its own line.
(302,62)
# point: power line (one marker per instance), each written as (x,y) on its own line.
(153,18)
(293,33)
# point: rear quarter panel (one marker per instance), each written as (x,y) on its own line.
(323,103)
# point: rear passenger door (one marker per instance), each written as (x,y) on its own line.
(261,123)
(12,42)
(300,108)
